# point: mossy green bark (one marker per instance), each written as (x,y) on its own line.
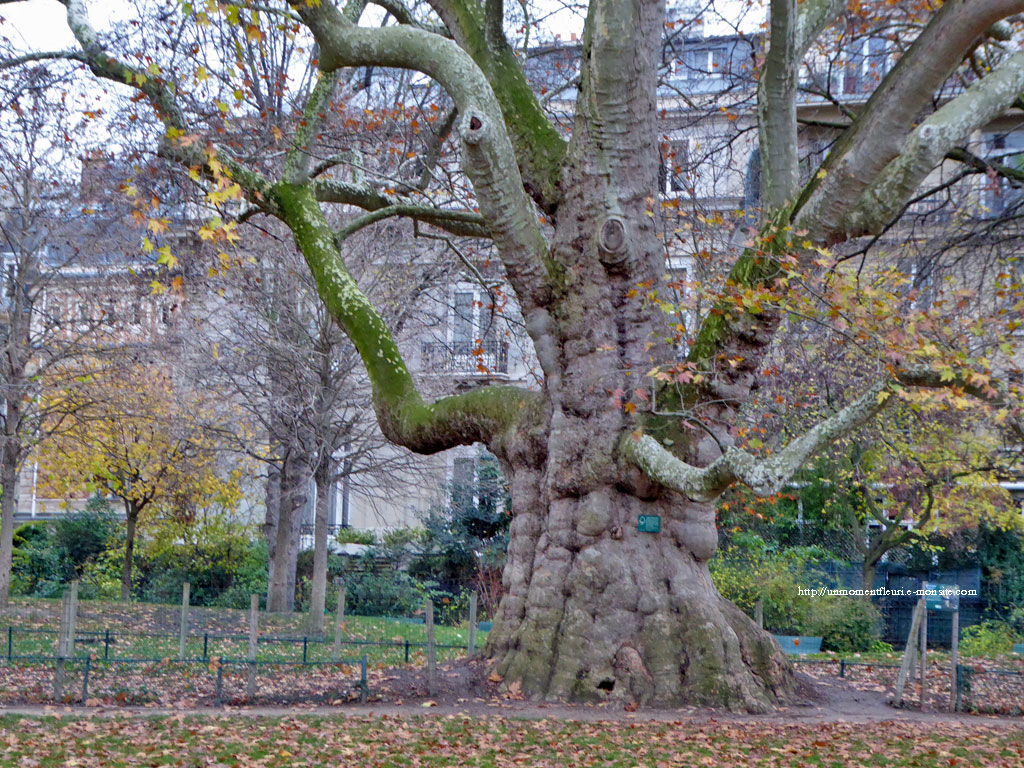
(403,414)
(539,146)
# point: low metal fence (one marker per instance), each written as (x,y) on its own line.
(980,688)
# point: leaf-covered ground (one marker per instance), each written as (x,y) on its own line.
(457,740)
(995,687)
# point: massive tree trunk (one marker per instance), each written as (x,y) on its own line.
(592,604)
(594,607)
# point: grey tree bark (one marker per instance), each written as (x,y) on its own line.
(323,477)
(9,489)
(295,477)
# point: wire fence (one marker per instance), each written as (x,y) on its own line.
(94,681)
(41,645)
(124,664)
(113,666)
(981,687)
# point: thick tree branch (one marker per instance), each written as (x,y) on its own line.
(488,158)
(814,18)
(877,136)
(764,476)
(539,146)
(929,143)
(776,109)
(480,415)
(296,168)
(768,475)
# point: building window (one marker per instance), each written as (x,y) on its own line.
(866,63)
(999,195)
(477,487)
(677,166)
(702,63)
(474,346)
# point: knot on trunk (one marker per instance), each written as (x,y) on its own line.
(474,127)
(612,241)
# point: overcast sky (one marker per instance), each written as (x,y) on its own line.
(40,24)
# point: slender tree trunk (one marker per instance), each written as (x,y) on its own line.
(868,575)
(131,520)
(295,477)
(273,514)
(318,591)
(9,482)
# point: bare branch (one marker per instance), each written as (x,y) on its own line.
(463,223)
(764,476)
(470,224)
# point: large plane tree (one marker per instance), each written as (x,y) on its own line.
(592,604)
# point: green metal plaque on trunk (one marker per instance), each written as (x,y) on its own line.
(649,524)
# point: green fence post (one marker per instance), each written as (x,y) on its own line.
(305,647)
(106,644)
(406,650)
(206,640)
(364,687)
(842,667)
(10,643)
(85,679)
(471,643)
(961,684)
(220,682)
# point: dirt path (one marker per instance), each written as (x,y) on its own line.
(833,701)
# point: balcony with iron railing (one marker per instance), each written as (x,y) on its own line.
(466,358)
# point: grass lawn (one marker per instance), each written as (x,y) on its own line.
(467,741)
(146,631)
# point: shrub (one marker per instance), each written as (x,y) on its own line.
(83,536)
(49,554)
(355,536)
(990,638)
(101,576)
(845,625)
(37,566)
(392,593)
(750,570)
(218,557)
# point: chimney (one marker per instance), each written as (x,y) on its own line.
(94,185)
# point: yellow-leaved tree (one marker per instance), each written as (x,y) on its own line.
(135,436)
